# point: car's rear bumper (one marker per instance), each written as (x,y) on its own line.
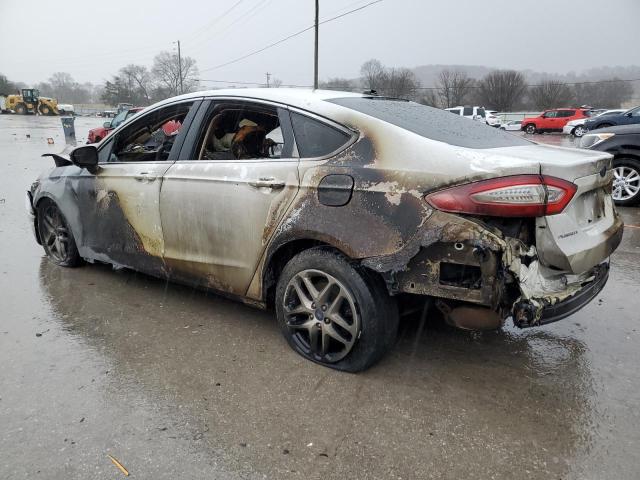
(523,311)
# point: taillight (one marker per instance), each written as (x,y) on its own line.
(515,196)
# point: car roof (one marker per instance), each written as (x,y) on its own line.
(297,97)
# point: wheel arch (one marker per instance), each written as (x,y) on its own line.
(279,254)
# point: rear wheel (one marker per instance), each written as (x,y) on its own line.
(333,312)
(626,181)
(530,129)
(579,131)
(55,235)
(21,109)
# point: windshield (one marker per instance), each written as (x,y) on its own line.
(118,119)
(432,123)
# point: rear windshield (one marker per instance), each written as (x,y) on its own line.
(432,123)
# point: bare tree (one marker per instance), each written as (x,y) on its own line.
(501,89)
(606,94)
(454,87)
(166,70)
(337,84)
(276,82)
(550,94)
(139,78)
(430,98)
(373,73)
(400,82)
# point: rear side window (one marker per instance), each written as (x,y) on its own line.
(568,113)
(468,111)
(432,123)
(316,139)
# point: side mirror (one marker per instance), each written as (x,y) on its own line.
(85,156)
(107,124)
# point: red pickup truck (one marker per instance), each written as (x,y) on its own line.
(553,120)
(98,133)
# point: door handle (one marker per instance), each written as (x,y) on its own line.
(145,177)
(267,182)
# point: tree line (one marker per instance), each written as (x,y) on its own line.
(134,84)
(503,90)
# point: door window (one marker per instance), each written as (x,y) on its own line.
(242,131)
(151,137)
(316,139)
(635,113)
(468,111)
(552,114)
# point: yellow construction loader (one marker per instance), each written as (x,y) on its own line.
(31,102)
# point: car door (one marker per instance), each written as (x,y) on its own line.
(119,205)
(631,117)
(224,197)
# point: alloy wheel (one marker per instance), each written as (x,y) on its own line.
(321,315)
(579,131)
(626,183)
(55,234)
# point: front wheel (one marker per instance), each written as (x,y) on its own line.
(334,312)
(55,235)
(579,131)
(626,181)
(44,110)
(530,129)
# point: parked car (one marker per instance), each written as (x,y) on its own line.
(577,128)
(66,109)
(553,120)
(473,113)
(629,117)
(98,133)
(329,206)
(623,142)
(513,125)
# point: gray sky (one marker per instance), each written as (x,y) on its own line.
(544,35)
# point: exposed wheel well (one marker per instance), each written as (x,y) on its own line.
(279,259)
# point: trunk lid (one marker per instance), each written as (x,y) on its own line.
(588,230)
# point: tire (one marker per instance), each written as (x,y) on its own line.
(530,129)
(368,316)
(579,131)
(21,109)
(56,236)
(44,110)
(626,181)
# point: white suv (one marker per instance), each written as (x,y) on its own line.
(474,113)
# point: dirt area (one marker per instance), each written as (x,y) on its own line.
(177,383)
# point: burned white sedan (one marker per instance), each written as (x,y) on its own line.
(330,207)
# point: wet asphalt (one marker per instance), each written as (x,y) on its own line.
(178,383)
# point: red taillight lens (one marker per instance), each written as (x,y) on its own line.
(516,196)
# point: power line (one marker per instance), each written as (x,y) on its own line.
(289,37)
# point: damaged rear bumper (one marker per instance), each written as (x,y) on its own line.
(530,313)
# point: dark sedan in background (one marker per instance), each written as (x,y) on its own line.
(623,142)
(630,117)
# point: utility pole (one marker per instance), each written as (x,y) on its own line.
(315,64)
(268,77)
(180,68)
